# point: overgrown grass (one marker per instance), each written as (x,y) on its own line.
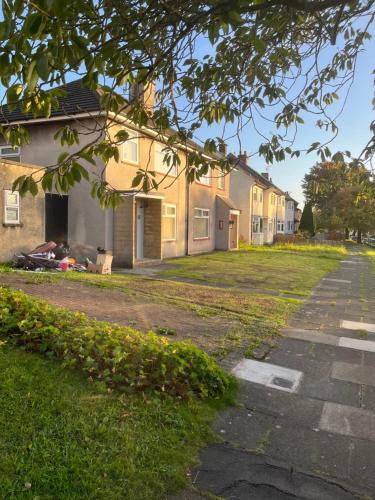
(62,437)
(282,268)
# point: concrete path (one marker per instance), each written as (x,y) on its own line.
(304,426)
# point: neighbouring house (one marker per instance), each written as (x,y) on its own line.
(290,214)
(23,219)
(262,204)
(178,219)
(297,219)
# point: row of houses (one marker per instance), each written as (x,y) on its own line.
(180,218)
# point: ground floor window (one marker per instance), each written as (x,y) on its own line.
(10,153)
(257,224)
(11,207)
(280,226)
(290,225)
(169,222)
(201,223)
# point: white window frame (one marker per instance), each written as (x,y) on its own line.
(12,206)
(206,179)
(168,216)
(280,226)
(273,199)
(255,194)
(164,169)
(221,182)
(15,153)
(133,137)
(201,216)
(260,195)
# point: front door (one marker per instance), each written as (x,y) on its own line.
(56,218)
(140,229)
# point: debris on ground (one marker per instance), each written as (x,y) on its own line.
(48,257)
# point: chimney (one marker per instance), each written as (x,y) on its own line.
(243,157)
(144,92)
(223,148)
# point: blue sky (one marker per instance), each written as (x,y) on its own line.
(353,133)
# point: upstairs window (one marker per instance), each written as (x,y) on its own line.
(221,182)
(205,178)
(261,196)
(273,199)
(10,153)
(160,164)
(130,148)
(11,207)
(255,194)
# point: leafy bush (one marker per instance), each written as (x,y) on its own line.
(119,357)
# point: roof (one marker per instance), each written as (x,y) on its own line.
(228,202)
(258,177)
(79,99)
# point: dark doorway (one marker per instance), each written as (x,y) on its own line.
(57,218)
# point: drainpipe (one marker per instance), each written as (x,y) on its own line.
(187,217)
(251,214)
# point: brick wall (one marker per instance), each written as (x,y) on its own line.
(124,233)
(152,230)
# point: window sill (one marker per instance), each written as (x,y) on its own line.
(202,238)
(12,224)
(129,162)
(169,241)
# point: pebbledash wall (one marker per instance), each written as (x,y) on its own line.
(29,230)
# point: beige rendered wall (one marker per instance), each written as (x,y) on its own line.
(241,193)
(202,196)
(30,232)
(89,225)
(173,189)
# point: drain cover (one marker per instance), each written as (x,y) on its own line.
(282,382)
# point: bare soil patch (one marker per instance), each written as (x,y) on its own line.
(129,309)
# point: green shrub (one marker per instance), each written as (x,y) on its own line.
(119,357)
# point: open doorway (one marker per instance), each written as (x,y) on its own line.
(57,218)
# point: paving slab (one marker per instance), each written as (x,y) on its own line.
(357,374)
(361,345)
(349,421)
(277,377)
(357,325)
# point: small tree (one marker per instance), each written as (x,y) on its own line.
(307,220)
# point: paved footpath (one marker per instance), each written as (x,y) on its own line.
(304,426)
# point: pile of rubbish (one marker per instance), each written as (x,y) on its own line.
(48,256)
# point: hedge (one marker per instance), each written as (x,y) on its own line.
(120,357)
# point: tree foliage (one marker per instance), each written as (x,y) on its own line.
(343,196)
(237,62)
(307,223)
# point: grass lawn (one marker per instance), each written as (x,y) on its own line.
(257,317)
(62,437)
(290,268)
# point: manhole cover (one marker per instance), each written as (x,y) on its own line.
(282,382)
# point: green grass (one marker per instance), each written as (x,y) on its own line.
(282,268)
(62,437)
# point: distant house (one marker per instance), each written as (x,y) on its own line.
(290,214)
(178,219)
(262,204)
